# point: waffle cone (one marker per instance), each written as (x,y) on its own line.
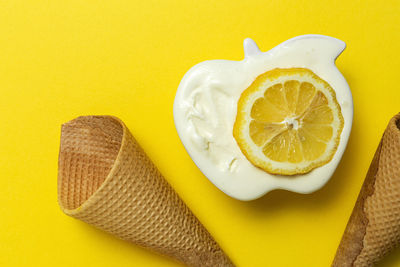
(373,229)
(106,180)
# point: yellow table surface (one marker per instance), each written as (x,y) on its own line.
(62,59)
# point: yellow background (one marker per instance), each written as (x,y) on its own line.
(61,59)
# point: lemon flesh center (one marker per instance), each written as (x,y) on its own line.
(291,122)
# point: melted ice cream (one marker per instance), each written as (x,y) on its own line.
(206,104)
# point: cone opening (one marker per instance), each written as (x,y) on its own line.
(88,148)
(398,123)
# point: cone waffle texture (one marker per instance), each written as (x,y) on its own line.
(106,180)
(374,226)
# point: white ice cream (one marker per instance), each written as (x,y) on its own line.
(206,104)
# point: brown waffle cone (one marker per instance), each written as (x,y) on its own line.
(373,229)
(106,180)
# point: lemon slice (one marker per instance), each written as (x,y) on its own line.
(288,122)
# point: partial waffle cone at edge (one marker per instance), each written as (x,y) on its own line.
(373,229)
(106,180)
